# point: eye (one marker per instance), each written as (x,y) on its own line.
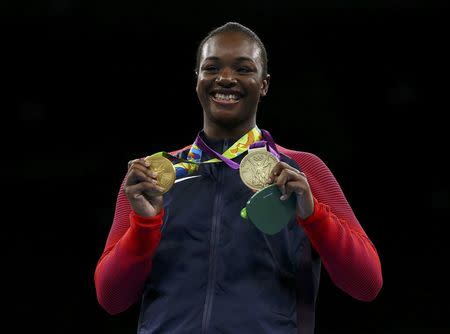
(244,69)
(210,68)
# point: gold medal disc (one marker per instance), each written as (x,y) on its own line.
(255,168)
(165,170)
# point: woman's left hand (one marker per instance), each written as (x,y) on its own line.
(289,180)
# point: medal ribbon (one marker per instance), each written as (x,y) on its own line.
(251,139)
(269,143)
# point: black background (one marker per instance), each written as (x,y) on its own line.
(90,85)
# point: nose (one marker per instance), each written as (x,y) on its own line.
(225,78)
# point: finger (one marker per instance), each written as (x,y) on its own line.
(146,170)
(276,170)
(136,175)
(140,161)
(292,186)
(138,165)
(285,176)
(281,181)
(131,162)
(291,168)
(279,167)
(141,188)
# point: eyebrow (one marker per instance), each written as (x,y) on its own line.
(237,59)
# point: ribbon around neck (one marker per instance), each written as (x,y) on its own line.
(254,138)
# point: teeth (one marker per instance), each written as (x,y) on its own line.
(226,96)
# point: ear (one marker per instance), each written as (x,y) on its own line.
(265,85)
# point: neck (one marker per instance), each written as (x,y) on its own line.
(214,131)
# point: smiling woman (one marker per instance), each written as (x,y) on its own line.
(231,78)
(188,255)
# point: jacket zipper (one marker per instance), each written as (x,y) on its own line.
(215,232)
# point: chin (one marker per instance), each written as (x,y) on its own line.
(225,120)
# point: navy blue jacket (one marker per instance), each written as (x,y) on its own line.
(215,272)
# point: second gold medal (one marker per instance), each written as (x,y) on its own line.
(255,168)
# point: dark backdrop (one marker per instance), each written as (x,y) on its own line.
(90,85)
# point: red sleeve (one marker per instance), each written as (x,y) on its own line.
(126,260)
(347,253)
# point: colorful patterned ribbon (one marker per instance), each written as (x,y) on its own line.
(253,138)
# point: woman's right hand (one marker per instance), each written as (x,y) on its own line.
(142,190)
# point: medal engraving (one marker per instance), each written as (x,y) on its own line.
(165,170)
(255,168)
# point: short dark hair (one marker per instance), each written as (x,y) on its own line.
(234,27)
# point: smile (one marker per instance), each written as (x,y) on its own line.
(225,98)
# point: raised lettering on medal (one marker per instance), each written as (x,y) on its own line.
(165,170)
(255,168)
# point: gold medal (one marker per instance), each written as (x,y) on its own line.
(165,170)
(255,168)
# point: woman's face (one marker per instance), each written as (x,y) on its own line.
(230,82)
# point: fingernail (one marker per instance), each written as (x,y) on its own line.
(147,164)
(283,197)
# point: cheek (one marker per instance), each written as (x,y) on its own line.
(198,85)
(255,87)
(201,86)
(255,93)
(202,92)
